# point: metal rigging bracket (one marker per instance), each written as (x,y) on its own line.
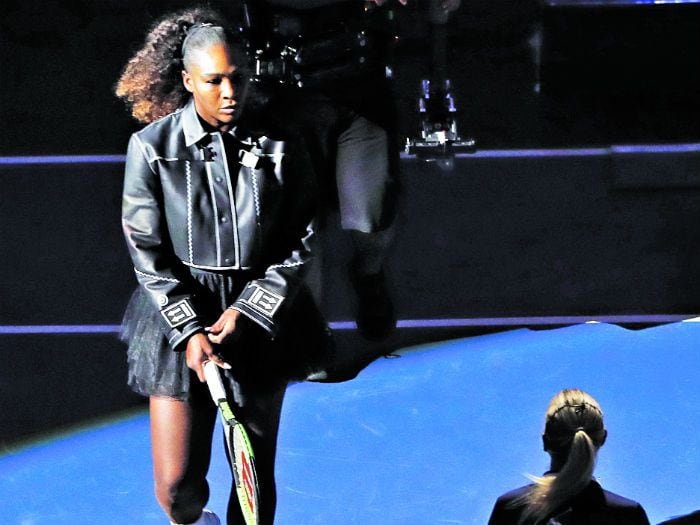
(439,138)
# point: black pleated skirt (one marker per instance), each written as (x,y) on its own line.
(301,346)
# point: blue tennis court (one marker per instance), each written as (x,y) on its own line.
(430,437)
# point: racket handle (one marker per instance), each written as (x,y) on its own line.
(216,386)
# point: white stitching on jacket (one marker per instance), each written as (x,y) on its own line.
(156,277)
(287,265)
(150,153)
(188,177)
(256,194)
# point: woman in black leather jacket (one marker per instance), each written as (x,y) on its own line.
(219,222)
(568,494)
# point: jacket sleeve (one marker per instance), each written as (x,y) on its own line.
(161,274)
(267,300)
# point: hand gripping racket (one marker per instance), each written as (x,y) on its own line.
(238,445)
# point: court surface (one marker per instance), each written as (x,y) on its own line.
(430,437)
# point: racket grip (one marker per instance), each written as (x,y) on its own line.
(216,386)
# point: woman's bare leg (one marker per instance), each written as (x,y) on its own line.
(181,433)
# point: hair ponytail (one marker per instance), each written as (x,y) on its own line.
(151,83)
(574,430)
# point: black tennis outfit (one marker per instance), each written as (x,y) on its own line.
(213,221)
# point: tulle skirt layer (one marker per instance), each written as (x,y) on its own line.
(302,345)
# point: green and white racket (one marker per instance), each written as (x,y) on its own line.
(238,445)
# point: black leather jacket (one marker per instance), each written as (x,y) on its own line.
(189,203)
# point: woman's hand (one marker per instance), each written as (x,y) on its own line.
(199,349)
(202,347)
(224,327)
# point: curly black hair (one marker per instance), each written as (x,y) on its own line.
(151,83)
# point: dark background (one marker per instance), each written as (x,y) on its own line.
(577,235)
(616,73)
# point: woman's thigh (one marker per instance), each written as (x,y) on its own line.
(181,434)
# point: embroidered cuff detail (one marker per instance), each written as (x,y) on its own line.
(259,305)
(262,301)
(255,318)
(178,313)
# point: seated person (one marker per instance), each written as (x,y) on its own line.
(567,493)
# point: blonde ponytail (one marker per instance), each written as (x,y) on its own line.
(574,432)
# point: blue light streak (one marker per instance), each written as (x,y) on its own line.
(475,322)
(480,154)
(56,329)
(62,159)
(585,3)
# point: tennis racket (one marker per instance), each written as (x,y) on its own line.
(238,445)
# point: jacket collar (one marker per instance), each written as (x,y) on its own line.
(191,126)
(194,131)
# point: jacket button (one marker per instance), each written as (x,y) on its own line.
(218,179)
(228,261)
(224,219)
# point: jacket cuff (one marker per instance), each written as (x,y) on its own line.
(178,337)
(182,321)
(260,306)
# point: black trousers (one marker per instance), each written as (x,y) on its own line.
(352,141)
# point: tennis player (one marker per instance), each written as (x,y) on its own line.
(219,223)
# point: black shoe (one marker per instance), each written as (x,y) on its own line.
(375,311)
